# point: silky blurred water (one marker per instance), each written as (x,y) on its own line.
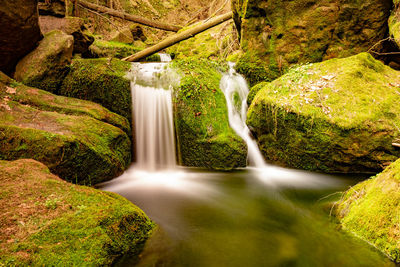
(238,219)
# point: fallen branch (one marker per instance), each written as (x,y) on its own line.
(396,144)
(130,17)
(179,37)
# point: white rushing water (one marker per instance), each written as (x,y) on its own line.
(153,115)
(236,90)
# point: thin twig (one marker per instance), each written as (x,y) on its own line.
(215,13)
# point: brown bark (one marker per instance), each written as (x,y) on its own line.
(179,37)
(134,18)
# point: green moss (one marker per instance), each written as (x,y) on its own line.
(201,119)
(47,65)
(78,148)
(101,81)
(214,44)
(283,33)
(71,226)
(252,67)
(370,210)
(339,115)
(111,49)
(46,101)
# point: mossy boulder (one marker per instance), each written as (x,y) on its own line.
(371,209)
(204,137)
(341,115)
(19,32)
(48,222)
(123,36)
(102,81)
(47,65)
(283,33)
(394,22)
(70,25)
(76,139)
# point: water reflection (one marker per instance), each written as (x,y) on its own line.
(239,219)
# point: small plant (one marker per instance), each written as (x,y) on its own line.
(51,203)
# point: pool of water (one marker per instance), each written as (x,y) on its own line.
(249,217)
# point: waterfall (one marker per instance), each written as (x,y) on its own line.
(236,90)
(151,85)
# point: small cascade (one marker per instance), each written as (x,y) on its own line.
(153,115)
(236,90)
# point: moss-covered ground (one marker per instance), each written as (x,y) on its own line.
(370,210)
(48,222)
(102,81)
(101,48)
(341,115)
(201,119)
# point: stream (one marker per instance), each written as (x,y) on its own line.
(261,215)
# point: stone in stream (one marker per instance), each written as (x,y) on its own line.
(371,210)
(49,222)
(80,141)
(341,115)
(17,16)
(277,34)
(204,138)
(46,66)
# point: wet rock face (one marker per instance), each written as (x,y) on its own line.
(288,32)
(19,17)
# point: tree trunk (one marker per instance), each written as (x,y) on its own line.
(134,18)
(179,37)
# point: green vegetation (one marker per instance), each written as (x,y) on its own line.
(201,119)
(370,210)
(102,81)
(252,67)
(47,65)
(102,48)
(49,222)
(340,115)
(214,44)
(70,106)
(68,137)
(284,32)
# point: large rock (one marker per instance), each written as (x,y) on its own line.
(19,31)
(282,33)
(47,65)
(48,222)
(102,81)
(394,22)
(76,139)
(341,115)
(204,137)
(70,25)
(123,36)
(371,211)
(52,8)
